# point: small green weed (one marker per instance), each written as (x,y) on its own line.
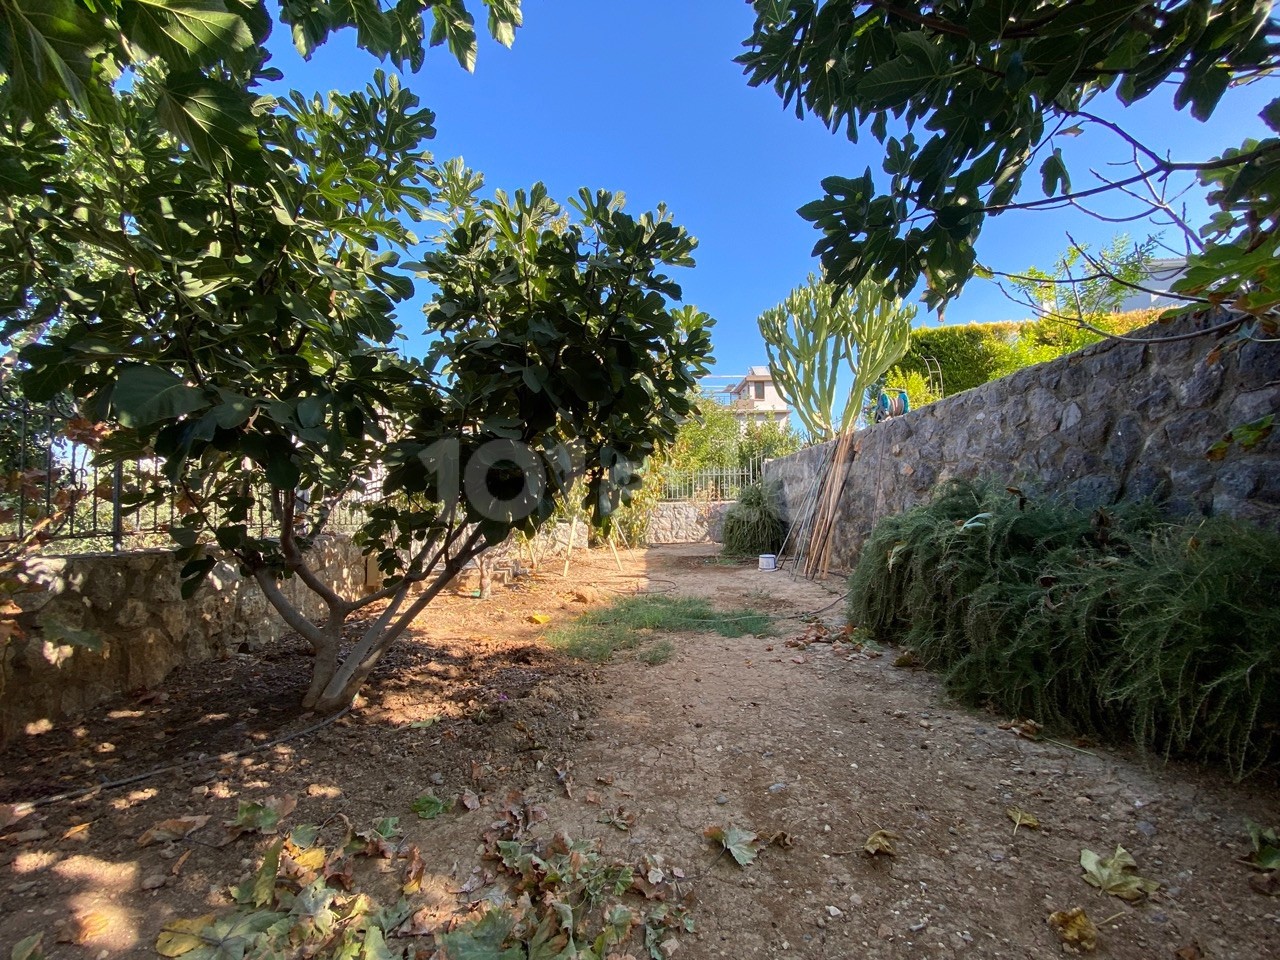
(631,623)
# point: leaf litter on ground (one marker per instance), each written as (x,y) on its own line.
(881,842)
(1116,875)
(1021,818)
(743,845)
(1075,929)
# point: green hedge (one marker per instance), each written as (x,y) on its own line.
(1114,623)
(973,354)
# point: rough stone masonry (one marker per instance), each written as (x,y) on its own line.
(1118,420)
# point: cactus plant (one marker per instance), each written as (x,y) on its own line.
(812,336)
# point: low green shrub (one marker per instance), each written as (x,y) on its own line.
(753,525)
(1112,622)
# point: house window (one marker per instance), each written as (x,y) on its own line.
(759,390)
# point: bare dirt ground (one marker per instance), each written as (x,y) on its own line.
(813,740)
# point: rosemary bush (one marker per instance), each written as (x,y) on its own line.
(1113,622)
(754,524)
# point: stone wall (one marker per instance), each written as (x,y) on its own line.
(1115,421)
(131,603)
(688,522)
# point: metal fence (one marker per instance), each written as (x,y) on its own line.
(56,491)
(710,483)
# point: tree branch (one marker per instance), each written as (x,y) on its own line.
(338,607)
(291,615)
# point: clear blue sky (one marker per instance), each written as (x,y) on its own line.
(644,97)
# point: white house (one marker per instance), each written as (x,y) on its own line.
(755,398)
(1161,275)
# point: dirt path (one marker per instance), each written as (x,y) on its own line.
(816,742)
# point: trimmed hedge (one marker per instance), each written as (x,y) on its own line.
(973,354)
(1115,623)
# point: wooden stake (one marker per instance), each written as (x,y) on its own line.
(573,529)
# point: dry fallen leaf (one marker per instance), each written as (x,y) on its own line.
(742,845)
(1075,928)
(470,800)
(90,926)
(1021,818)
(175,829)
(11,813)
(414,872)
(182,936)
(539,618)
(79,832)
(1267,884)
(1191,951)
(781,839)
(1116,875)
(881,842)
(179,863)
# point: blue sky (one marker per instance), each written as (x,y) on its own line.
(644,97)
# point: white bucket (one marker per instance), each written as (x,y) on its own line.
(768,561)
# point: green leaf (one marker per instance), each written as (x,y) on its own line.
(186,33)
(46,53)
(483,939)
(233,411)
(210,116)
(1053,173)
(29,948)
(742,845)
(429,806)
(1249,435)
(260,817)
(145,395)
(375,945)
(1271,115)
(282,473)
(894,82)
(261,891)
(1266,847)
(304,835)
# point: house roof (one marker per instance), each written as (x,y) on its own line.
(754,375)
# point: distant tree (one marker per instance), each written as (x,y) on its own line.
(968,96)
(708,439)
(815,338)
(767,441)
(1084,288)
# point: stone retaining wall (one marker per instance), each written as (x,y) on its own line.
(688,522)
(132,604)
(1116,420)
